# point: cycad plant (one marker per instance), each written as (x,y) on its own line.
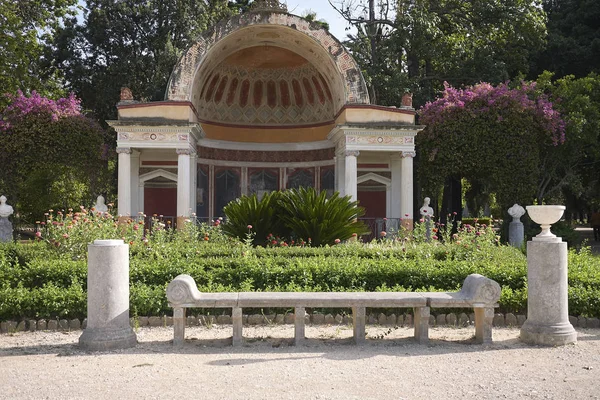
(261,214)
(318,219)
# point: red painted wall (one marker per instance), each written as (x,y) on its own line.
(160,201)
(374,203)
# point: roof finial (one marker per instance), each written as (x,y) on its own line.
(268,5)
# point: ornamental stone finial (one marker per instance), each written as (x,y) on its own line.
(5,209)
(516,212)
(268,5)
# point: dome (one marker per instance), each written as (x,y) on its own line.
(265,85)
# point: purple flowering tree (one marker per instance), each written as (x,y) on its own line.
(494,137)
(52,156)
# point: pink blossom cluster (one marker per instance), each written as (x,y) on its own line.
(21,105)
(484,98)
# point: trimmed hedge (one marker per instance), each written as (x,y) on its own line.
(37,284)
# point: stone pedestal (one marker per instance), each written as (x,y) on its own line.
(6,230)
(547,302)
(516,234)
(108,298)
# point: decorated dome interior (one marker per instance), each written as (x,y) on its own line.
(267,77)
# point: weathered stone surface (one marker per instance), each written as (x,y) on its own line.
(3,327)
(74,324)
(108,326)
(329,320)
(408,320)
(451,319)
(510,319)
(582,322)
(371,320)
(289,318)
(244,319)
(63,325)
(547,285)
(463,319)
(307,319)
(472,318)
(143,321)
(84,323)
(191,320)
(347,320)
(169,321)
(270,318)
(339,319)
(52,325)
(432,320)
(279,319)
(255,319)
(32,325)
(11,326)
(521,319)
(41,325)
(391,320)
(224,320)
(400,320)
(318,319)
(155,321)
(440,320)
(593,323)
(573,320)
(21,326)
(382,319)
(498,320)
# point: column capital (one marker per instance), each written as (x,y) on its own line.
(351,153)
(124,150)
(187,151)
(406,154)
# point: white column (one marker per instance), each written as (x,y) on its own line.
(350,174)
(193,181)
(135,182)
(406,200)
(183,182)
(396,186)
(124,184)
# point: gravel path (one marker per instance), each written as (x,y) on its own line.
(41,365)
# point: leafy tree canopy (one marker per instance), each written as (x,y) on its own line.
(496,137)
(416,45)
(51,155)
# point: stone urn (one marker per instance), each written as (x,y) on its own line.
(546,216)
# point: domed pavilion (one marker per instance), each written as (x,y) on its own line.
(264,101)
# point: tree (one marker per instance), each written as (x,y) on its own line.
(24,28)
(573,39)
(131,43)
(498,138)
(416,45)
(51,155)
(571,170)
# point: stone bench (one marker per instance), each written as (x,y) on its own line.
(477,292)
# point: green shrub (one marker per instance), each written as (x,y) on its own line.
(321,220)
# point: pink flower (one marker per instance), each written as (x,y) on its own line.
(38,234)
(354,235)
(337,241)
(66,236)
(406,215)
(249,226)
(383,233)
(136,227)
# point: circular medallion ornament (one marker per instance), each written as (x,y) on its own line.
(153,136)
(379,139)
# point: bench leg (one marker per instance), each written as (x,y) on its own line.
(484,318)
(358,322)
(178,326)
(422,324)
(236,318)
(299,325)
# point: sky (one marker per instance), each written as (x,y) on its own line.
(324,11)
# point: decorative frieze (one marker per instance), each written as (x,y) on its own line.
(124,150)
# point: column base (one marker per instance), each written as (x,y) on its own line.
(107,339)
(548,335)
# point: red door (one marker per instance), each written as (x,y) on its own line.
(373,202)
(160,201)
